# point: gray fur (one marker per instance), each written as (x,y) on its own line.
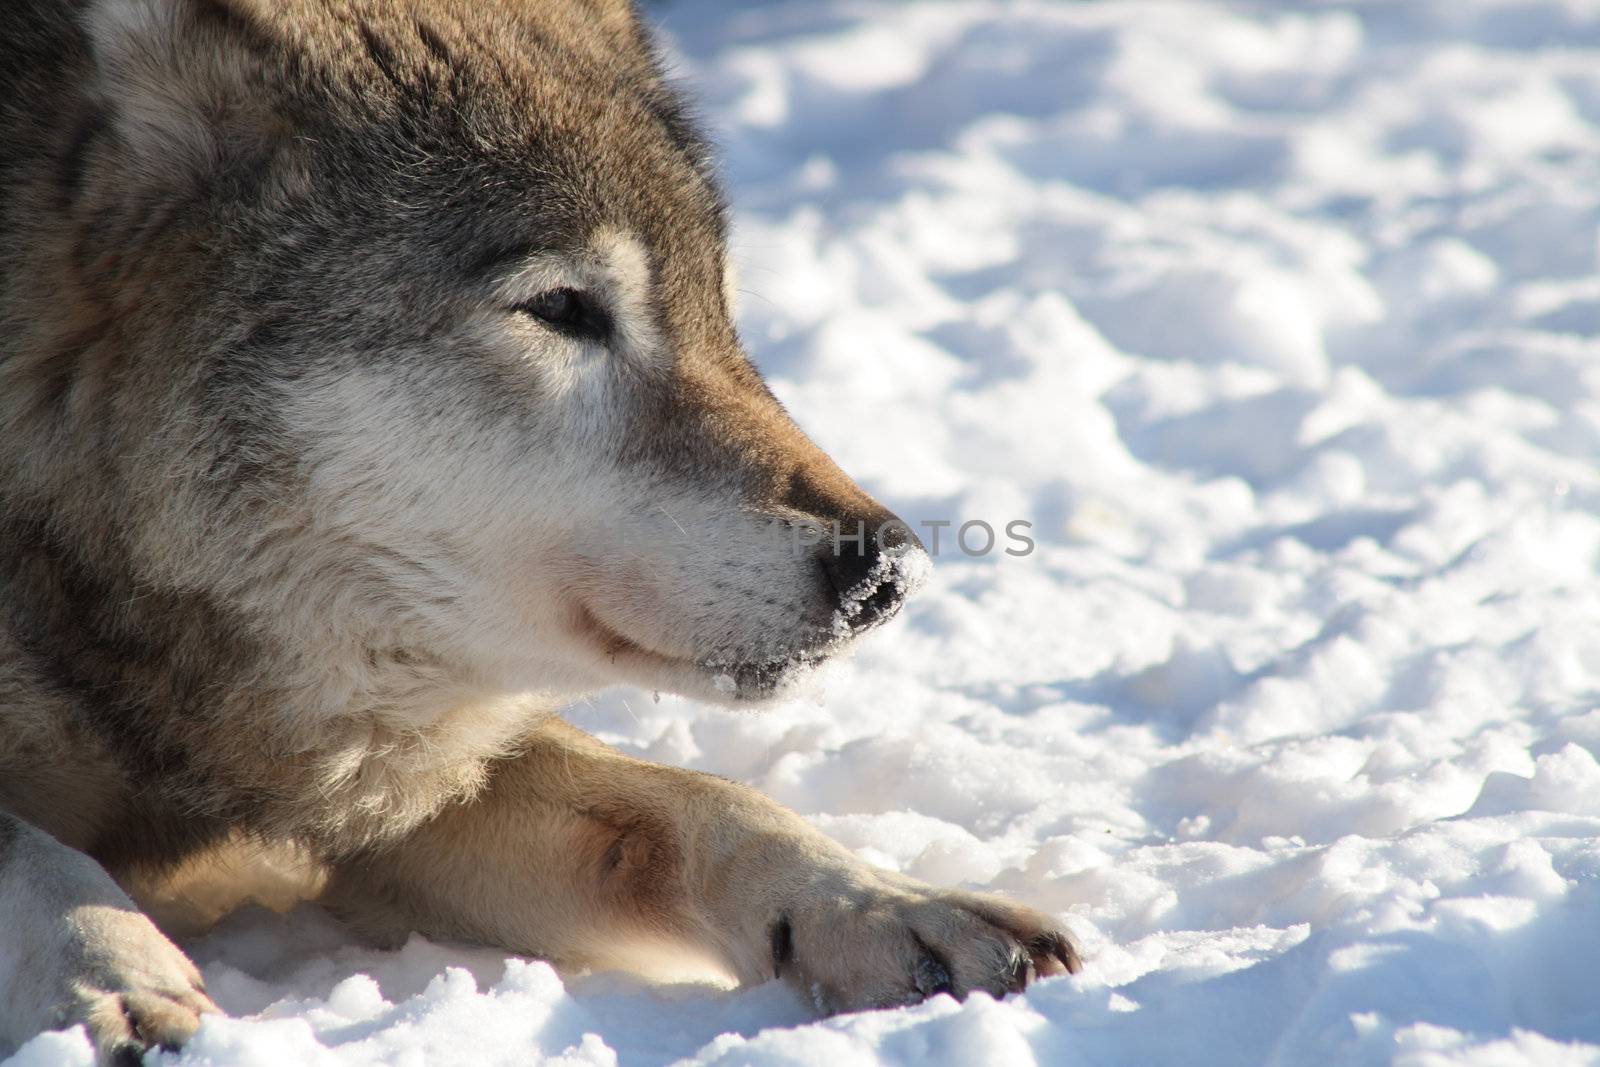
(305,522)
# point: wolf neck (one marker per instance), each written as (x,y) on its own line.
(211,715)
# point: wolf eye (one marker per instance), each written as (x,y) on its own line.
(568,310)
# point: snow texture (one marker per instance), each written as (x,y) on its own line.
(1277,322)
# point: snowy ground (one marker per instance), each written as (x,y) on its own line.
(1276,322)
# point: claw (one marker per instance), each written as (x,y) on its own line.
(1022,972)
(782,945)
(1057,947)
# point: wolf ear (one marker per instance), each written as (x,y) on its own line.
(180,81)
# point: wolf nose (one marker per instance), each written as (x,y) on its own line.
(865,571)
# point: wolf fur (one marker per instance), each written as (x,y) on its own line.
(368,389)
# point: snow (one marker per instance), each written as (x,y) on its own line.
(1276,322)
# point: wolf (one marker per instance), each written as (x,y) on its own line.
(368,391)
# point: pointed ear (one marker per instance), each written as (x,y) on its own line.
(182,83)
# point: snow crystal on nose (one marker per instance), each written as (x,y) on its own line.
(904,571)
(910,569)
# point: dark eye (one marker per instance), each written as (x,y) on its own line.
(570,311)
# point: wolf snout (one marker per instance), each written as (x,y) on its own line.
(871,567)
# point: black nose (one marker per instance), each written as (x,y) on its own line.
(866,589)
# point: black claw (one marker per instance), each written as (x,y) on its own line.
(782,945)
(129,1053)
(1021,972)
(932,974)
(1057,946)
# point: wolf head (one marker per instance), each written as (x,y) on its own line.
(424,305)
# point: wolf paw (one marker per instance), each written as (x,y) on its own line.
(130,988)
(903,942)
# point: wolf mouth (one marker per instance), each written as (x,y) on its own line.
(616,646)
(758,674)
(716,676)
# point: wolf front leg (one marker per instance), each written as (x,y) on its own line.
(74,949)
(574,850)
